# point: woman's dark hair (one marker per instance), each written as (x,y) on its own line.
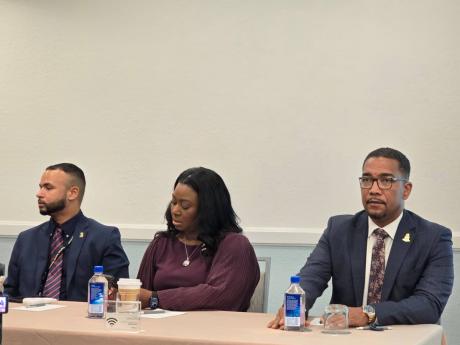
(215,212)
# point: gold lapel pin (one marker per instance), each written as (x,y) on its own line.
(406,238)
(82,234)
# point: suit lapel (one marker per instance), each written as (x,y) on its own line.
(401,243)
(357,245)
(79,238)
(41,258)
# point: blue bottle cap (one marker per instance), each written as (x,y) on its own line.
(98,269)
(295,279)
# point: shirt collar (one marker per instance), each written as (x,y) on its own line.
(390,228)
(68,227)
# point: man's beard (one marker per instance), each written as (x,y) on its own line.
(377,215)
(53,207)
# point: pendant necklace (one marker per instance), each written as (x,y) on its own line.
(186,262)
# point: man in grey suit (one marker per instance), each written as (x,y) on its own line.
(401,273)
(56,258)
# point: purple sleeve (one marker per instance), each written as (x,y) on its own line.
(147,267)
(231,281)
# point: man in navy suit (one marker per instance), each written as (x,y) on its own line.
(85,242)
(417,279)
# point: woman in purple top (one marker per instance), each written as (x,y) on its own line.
(202,261)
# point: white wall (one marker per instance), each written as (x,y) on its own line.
(282,98)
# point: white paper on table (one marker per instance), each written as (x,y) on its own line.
(41,308)
(161,313)
(316,322)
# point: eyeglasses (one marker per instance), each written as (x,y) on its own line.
(383,182)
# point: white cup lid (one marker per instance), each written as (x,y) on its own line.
(129,282)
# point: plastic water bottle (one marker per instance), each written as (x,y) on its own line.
(294,306)
(97,293)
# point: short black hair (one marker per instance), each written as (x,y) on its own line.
(215,212)
(386,152)
(77,174)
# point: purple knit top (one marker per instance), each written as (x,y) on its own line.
(225,281)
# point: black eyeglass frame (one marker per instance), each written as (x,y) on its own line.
(379,179)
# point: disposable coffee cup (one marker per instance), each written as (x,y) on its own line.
(128,289)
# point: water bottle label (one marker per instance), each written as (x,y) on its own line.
(96,298)
(292,306)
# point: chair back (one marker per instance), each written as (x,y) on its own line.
(259,299)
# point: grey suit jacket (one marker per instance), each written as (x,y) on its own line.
(418,276)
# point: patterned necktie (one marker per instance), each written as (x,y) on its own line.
(53,281)
(377,271)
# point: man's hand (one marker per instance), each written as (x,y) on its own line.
(278,321)
(356,317)
(112,294)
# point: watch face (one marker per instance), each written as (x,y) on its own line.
(153,302)
(368,309)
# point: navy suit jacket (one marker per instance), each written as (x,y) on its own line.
(418,276)
(93,244)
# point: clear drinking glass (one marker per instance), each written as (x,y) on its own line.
(336,319)
(123,316)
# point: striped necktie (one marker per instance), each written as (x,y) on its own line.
(53,281)
(377,271)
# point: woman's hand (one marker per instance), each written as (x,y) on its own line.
(144,297)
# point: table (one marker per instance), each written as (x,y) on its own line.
(70,326)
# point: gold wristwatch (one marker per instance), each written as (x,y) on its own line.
(369,310)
